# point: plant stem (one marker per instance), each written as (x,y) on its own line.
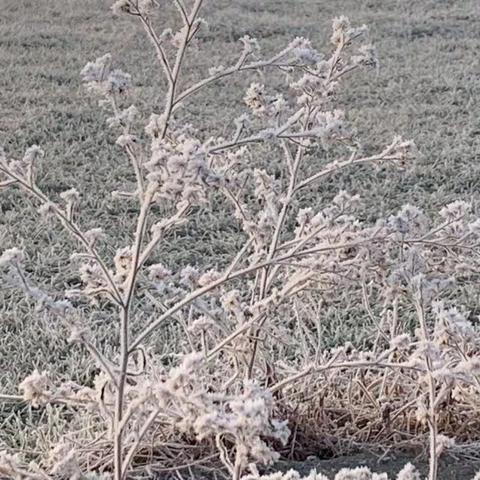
(120,394)
(432,415)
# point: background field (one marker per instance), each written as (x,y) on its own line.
(427,89)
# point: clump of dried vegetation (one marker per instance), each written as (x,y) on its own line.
(250,378)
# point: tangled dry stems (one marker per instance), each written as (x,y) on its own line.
(249,372)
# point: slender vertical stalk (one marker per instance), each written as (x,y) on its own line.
(173,83)
(237,468)
(119,467)
(120,394)
(432,414)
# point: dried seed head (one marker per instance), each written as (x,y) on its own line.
(11,256)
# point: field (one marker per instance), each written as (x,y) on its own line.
(426,89)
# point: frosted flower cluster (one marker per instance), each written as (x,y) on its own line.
(101,78)
(343,32)
(409,219)
(134,7)
(11,256)
(246,418)
(93,279)
(306,54)
(64,463)
(23,168)
(261,104)
(36,388)
(180,169)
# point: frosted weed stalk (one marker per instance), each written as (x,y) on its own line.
(232,375)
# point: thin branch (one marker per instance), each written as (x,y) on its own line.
(312,369)
(161,54)
(237,274)
(70,226)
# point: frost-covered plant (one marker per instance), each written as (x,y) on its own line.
(231,374)
(408,472)
(357,473)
